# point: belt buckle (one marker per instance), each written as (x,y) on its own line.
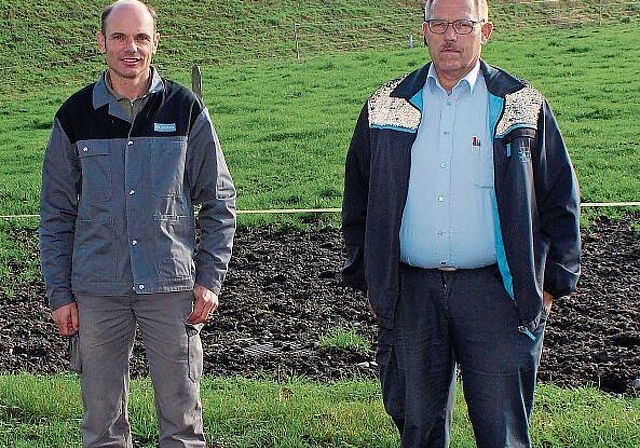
(447,269)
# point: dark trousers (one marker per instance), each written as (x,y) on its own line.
(463,318)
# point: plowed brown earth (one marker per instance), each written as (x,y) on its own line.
(283,295)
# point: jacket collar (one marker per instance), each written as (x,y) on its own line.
(499,83)
(102,96)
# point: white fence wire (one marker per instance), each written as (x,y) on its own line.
(302,211)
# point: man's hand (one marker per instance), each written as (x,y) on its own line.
(204,304)
(547,302)
(66,319)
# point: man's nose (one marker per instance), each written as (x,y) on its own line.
(450,33)
(130,45)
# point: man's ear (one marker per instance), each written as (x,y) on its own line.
(156,42)
(424,33)
(486,31)
(102,44)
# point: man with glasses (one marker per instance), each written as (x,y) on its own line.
(461,222)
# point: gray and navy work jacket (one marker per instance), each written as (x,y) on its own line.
(117,202)
(536,197)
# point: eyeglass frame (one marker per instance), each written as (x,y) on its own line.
(452,24)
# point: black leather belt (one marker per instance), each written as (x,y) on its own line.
(448,268)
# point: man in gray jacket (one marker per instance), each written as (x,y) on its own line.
(129,159)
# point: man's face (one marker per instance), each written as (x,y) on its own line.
(453,54)
(129,42)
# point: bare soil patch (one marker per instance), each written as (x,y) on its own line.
(283,295)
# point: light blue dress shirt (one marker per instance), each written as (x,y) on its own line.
(448,218)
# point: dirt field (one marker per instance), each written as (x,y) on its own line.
(283,294)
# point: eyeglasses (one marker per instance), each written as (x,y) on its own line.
(460,26)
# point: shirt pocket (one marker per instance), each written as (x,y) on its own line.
(482,166)
(168,157)
(96,172)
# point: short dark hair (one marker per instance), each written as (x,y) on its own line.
(107,12)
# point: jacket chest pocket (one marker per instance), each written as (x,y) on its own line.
(96,173)
(168,159)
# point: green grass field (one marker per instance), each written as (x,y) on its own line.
(285,124)
(39,412)
(284,81)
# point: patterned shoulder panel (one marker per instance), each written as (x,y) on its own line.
(386,111)
(521,109)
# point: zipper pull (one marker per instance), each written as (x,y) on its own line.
(524,330)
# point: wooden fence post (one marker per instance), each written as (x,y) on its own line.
(196,80)
(600,14)
(295,33)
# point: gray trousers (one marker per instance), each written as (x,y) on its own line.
(174,352)
(449,319)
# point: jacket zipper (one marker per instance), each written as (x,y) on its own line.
(524,330)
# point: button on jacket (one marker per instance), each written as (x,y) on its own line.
(117,204)
(536,197)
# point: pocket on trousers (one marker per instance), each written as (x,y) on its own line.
(383,354)
(194,351)
(73,351)
(385,347)
(535,328)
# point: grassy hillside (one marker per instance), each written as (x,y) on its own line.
(285,79)
(45,41)
(61,34)
(285,123)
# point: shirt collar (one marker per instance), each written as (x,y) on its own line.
(470,79)
(103,93)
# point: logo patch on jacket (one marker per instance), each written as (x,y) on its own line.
(164,127)
(524,154)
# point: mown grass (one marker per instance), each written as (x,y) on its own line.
(38,411)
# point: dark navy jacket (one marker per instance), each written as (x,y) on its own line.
(536,197)
(118,198)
